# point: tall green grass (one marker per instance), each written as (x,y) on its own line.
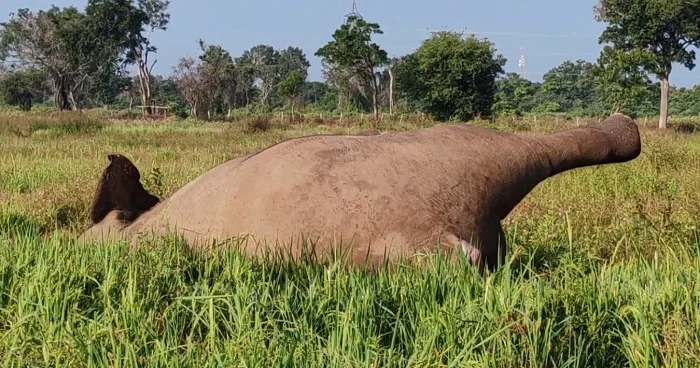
(65,305)
(603,269)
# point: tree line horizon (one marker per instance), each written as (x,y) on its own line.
(75,59)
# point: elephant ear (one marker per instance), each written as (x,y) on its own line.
(120,189)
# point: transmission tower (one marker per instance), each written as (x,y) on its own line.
(353,11)
(521,61)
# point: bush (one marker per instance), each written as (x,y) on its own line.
(258,124)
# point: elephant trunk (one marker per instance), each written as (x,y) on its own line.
(614,140)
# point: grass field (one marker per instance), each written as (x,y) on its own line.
(604,267)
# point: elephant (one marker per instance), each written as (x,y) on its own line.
(389,196)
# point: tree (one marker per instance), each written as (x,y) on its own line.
(220,72)
(207,83)
(684,101)
(245,80)
(78,51)
(352,49)
(570,85)
(292,87)
(269,67)
(190,79)
(290,60)
(106,87)
(21,87)
(292,71)
(321,95)
(261,62)
(166,93)
(340,79)
(152,16)
(451,77)
(54,41)
(129,25)
(659,32)
(515,95)
(390,70)
(622,82)
(408,88)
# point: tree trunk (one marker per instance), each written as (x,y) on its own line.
(144,79)
(663,114)
(375,98)
(292,110)
(265,93)
(73,102)
(145,82)
(60,97)
(391,91)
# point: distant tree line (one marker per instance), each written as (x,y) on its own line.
(76,59)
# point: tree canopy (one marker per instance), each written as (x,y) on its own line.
(75,49)
(352,49)
(75,58)
(654,34)
(292,86)
(451,77)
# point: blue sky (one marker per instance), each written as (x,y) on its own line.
(551,31)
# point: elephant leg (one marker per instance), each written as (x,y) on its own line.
(485,248)
(493,245)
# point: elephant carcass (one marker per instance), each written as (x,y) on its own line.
(386,196)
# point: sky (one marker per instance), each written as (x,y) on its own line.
(552,31)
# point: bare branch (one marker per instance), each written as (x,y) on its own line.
(150,70)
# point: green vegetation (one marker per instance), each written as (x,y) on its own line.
(650,35)
(352,54)
(603,268)
(449,76)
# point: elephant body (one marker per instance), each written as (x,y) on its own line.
(385,196)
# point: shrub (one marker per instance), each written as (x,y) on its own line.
(258,124)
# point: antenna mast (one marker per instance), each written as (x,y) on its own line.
(521,61)
(353,11)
